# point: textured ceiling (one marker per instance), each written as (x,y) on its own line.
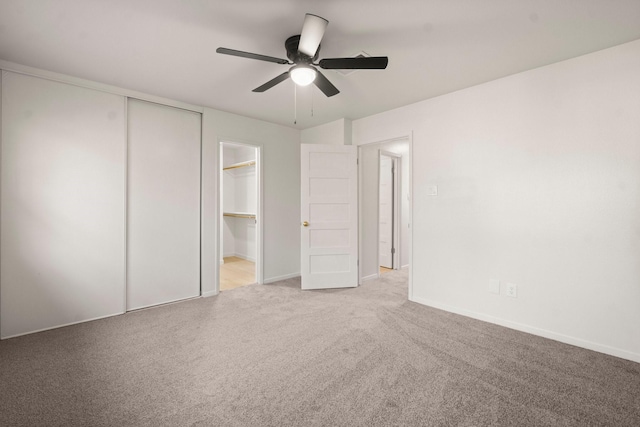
(167,47)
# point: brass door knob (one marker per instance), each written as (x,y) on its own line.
(305,223)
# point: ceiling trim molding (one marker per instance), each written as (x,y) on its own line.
(88,84)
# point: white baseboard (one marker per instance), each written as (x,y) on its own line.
(278,278)
(209,294)
(242,256)
(405,267)
(601,348)
(118,313)
(369,277)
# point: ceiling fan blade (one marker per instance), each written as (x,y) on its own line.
(271,83)
(325,85)
(311,35)
(364,63)
(242,54)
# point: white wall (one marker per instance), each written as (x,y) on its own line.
(245,228)
(337,132)
(228,242)
(538,179)
(245,238)
(244,153)
(280,151)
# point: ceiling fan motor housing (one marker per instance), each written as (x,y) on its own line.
(291,44)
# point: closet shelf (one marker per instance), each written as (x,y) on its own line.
(240,215)
(240,165)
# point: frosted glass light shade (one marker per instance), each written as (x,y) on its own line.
(303,75)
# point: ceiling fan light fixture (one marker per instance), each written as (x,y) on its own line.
(303,75)
(312,32)
(303,51)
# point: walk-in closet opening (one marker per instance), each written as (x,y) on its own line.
(240,215)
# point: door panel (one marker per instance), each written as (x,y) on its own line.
(329,238)
(331,212)
(63,204)
(163,222)
(329,243)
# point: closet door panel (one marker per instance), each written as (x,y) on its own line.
(163,221)
(62,205)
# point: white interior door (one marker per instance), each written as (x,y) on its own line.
(385,213)
(329,215)
(163,220)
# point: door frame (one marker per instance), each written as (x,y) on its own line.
(396,161)
(259,209)
(409,138)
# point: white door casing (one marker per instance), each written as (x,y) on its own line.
(329,215)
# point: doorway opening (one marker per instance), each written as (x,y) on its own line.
(384,207)
(239,215)
(388,211)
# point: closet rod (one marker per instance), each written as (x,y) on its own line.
(240,165)
(239,215)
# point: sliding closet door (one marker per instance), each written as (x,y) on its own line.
(163,219)
(62,207)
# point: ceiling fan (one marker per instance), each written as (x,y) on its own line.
(303,51)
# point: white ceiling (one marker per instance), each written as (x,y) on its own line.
(167,47)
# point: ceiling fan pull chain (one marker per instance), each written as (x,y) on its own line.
(312,102)
(295,104)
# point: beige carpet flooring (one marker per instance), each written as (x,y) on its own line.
(273,355)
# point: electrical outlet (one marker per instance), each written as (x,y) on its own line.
(511,290)
(494,286)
